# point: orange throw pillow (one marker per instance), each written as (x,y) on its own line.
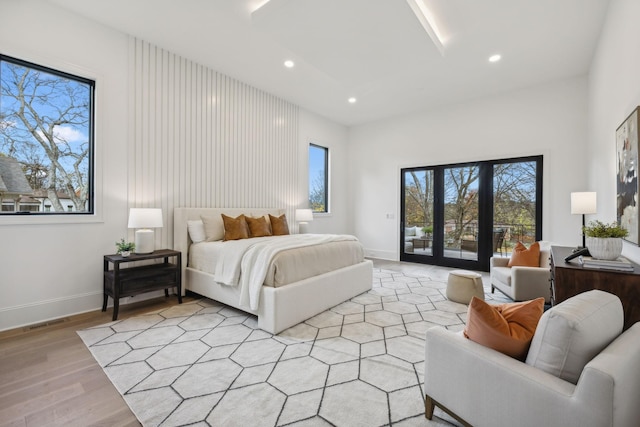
(523,257)
(235,228)
(279,226)
(258,227)
(507,328)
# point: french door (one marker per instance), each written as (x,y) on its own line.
(461,215)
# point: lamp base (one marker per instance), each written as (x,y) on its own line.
(303,228)
(145,241)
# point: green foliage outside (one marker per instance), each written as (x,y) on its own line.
(514,189)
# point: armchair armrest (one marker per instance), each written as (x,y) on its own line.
(530,282)
(487,388)
(619,365)
(498,262)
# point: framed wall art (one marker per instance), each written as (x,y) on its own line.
(627,175)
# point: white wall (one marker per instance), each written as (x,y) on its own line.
(614,92)
(199,138)
(321,131)
(52,270)
(549,119)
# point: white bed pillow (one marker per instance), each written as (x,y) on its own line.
(213,227)
(196,231)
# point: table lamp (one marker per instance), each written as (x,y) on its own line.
(145,219)
(583,203)
(303,216)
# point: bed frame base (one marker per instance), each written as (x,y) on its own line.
(285,306)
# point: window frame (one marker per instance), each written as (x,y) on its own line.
(94,214)
(327,204)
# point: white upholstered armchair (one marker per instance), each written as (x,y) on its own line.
(521,283)
(579,372)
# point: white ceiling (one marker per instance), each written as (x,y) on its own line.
(374,50)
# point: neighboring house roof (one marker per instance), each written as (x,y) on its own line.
(12,178)
(44,193)
(27,200)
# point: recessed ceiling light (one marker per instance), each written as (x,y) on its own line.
(288,63)
(352,100)
(495,58)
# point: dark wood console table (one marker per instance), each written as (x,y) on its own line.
(569,279)
(126,282)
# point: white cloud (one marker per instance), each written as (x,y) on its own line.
(68,134)
(65,134)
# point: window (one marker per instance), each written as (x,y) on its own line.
(460,215)
(46,140)
(318,178)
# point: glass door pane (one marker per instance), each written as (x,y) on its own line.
(514,205)
(461,210)
(418,212)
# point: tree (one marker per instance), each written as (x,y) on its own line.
(317,194)
(515,195)
(419,198)
(461,198)
(45,126)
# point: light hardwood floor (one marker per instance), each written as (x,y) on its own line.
(49,378)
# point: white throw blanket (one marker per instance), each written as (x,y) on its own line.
(246,262)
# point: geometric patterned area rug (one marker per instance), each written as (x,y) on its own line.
(359,363)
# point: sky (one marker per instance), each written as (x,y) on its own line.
(316,162)
(74,135)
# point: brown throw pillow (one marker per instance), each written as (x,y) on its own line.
(258,227)
(279,226)
(507,328)
(523,257)
(235,228)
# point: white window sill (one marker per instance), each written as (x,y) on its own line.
(320,215)
(49,219)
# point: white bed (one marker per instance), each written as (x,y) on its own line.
(279,307)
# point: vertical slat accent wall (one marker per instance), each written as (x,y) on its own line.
(199,138)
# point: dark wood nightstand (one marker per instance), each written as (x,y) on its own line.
(126,282)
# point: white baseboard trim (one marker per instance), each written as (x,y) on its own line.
(19,316)
(380,254)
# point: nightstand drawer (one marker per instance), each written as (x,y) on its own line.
(154,281)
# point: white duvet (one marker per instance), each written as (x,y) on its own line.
(245,262)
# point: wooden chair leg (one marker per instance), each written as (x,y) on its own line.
(429,406)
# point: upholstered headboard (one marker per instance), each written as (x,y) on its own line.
(181,240)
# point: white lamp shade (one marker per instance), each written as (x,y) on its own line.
(145,218)
(304,215)
(583,203)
